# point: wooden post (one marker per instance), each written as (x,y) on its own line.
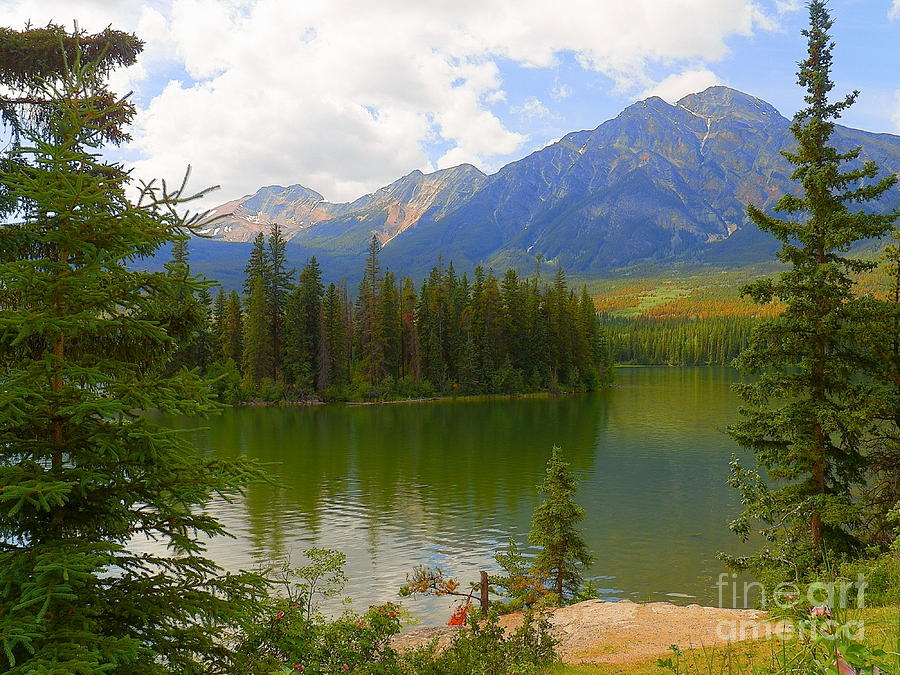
(485,601)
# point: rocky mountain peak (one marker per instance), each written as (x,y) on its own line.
(720,102)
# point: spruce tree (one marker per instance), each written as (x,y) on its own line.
(370,334)
(391,327)
(563,554)
(810,404)
(257,360)
(189,315)
(433,323)
(514,320)
(257,266)
(302,332)
(85,476)
(33,58)
(233,330)
(882,494)
(219,311)
(334,344)
(278,277)
(411,351)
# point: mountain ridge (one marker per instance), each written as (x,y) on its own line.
(659,182)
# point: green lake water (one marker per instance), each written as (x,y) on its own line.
(448,483)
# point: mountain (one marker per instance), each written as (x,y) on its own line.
(387,212)
(659,183)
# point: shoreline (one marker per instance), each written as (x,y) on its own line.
(625,632)
(467,398)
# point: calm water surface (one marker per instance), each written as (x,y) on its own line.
(448,483)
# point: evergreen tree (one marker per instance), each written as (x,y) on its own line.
(219,311)
(474,374)
(810,403)
(233,330)
(494,346)
(563,553)
(882,495)
(302,335)
(82,472)
(411,352)
(538,335)
(370,334)
(188,317)
(558,308)
(278,277)
(515,320)
(334,344)
(257,266)
(257,360)
(433,320)
(32,62)
(391,327)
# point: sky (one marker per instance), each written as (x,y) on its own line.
(345,96)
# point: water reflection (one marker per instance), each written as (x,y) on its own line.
(448,483)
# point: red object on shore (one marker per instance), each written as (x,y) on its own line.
(458,618)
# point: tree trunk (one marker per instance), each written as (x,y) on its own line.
(485,600)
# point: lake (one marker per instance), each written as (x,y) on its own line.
(448,483)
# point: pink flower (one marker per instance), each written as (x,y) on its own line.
(280,615)
(297,666)
(390,614)
(346,667)
(820,611)
(362,623)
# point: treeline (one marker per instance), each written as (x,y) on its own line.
(676,342)
(290,336)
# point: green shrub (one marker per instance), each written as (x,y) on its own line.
(882,576)
(287,640)
(225,381)
(270,390)
(484,648)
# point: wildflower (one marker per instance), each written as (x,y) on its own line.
(297,666)
(280,615)
(390,613)
(346,667)
(362,623)
(820,612)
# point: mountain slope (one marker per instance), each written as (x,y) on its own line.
(388,212)
(658,183)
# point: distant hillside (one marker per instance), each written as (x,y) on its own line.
(659,183)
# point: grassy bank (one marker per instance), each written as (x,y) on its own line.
(882,631)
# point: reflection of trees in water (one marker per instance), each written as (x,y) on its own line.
(443,483)
(439,470)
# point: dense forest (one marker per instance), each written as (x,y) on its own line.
(288,336)
(676,342)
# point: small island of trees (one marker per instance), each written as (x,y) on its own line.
(288,339)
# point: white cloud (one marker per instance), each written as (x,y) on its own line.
(560,92)
(343,96)
(531,107)
(784,6)
(677,85)
(894,13)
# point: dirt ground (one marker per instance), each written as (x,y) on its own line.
(625,632)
